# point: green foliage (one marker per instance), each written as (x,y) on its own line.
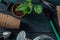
(27,6)
(21,7)
(38,9)
(29,0)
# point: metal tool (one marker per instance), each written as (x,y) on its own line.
(22,36)
(47,3)
(50,20)
(42,37)
(54,29)
(5,35)
(52,23)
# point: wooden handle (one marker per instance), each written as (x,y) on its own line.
(58,13)
(8,21)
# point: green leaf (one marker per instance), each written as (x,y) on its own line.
(30,9)
(21,7)
(25,11)
(38,9)
(29,0)
(25,7)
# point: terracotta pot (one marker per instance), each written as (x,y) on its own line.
(18,14)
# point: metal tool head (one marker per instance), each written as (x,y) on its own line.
(42,37)
(21,35)
(47,3)
(6,34)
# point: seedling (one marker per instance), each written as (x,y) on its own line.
(27,6)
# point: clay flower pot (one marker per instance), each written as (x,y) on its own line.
(18,14)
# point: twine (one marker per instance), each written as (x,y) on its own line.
(8,21)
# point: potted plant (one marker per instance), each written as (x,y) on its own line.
(25,8)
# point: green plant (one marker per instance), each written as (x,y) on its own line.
(38,9)
(27,6)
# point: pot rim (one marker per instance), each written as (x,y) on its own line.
(13,12)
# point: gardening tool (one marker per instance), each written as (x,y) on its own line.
(51,23)
(22,36)
(58,13)
(42,37)
(5,35)
(47,3)
(50,20)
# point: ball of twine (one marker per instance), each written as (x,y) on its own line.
(8,21)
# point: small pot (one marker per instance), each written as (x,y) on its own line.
(18,14)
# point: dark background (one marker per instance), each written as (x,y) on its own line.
(33,24)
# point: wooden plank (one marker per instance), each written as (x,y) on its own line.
(58,13)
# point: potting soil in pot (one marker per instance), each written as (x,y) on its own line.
(16,13)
